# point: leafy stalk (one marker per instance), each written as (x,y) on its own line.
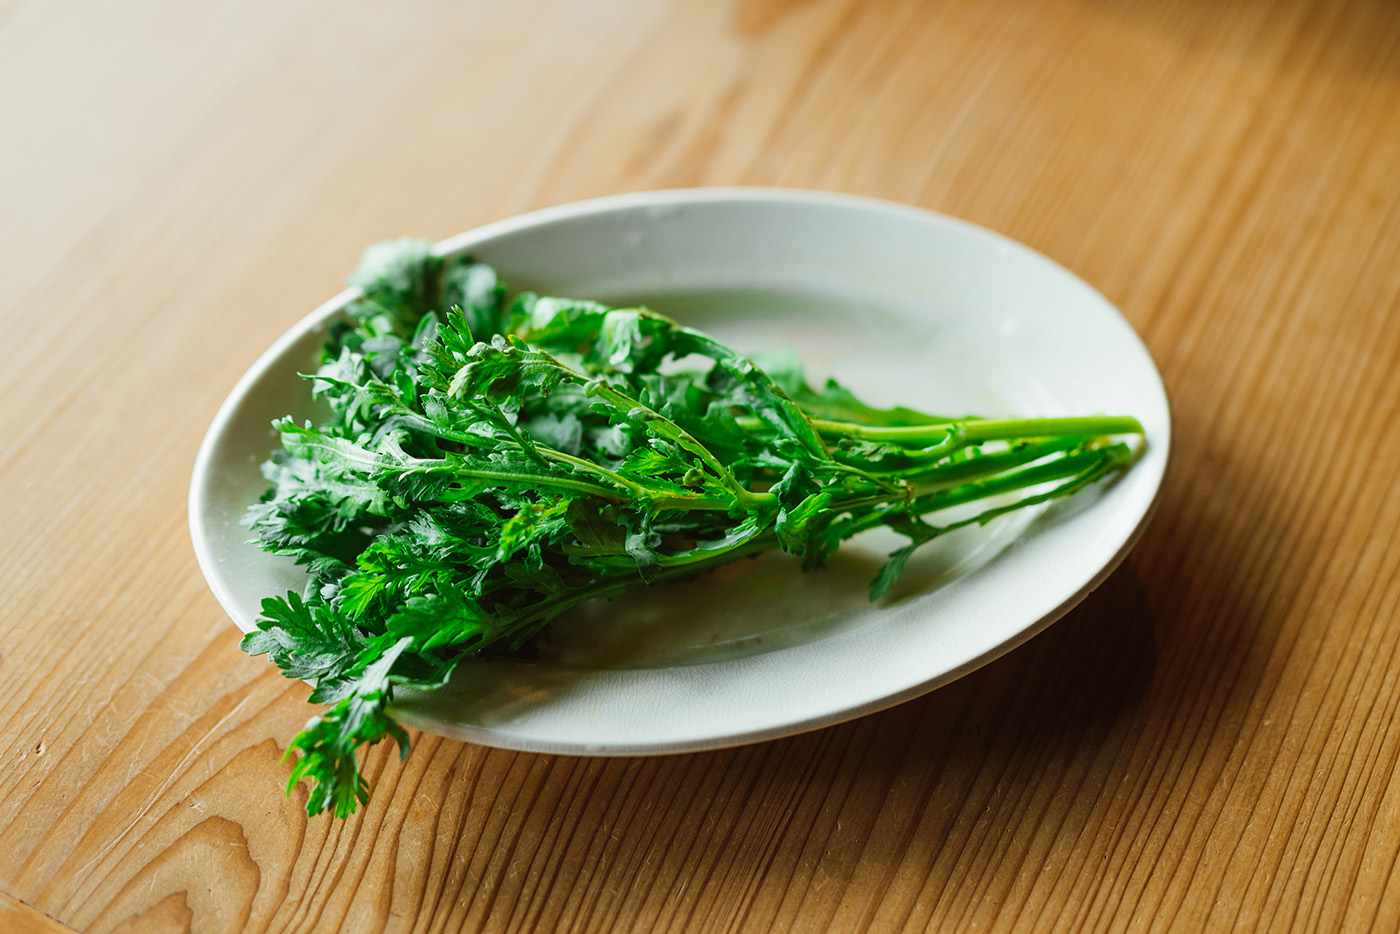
(491,464)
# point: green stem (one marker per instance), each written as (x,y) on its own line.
(657,502)
(563,483)
(1094,472)
(744,498)
(947,472)
(1010,429)
(636,489)
(979,430)
(1084,467)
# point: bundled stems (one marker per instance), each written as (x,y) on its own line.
(490,464)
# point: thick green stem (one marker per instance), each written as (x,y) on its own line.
(1013,429)
(978,430)
(1083,467)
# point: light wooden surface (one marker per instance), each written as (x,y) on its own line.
(1208,743)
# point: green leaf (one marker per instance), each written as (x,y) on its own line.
(891,570)
(595,525)
(329,743)
(446,618)
(307,642)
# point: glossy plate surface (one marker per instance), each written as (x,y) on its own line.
(901,305)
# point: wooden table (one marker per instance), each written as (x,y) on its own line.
(1208,743)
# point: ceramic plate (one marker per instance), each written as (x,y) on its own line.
(901,305)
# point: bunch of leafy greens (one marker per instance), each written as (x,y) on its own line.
(488,464)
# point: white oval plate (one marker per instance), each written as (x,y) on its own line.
(901,305)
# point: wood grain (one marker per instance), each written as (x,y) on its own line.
(19,918)
(1209,743)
